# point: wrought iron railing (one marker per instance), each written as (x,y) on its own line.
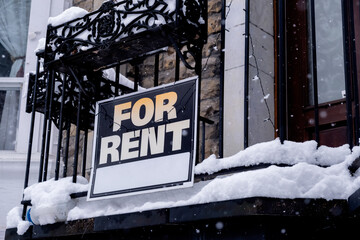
(71,79)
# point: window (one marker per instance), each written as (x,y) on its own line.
(319,49)
(14,21)
(327,55)
(9,108)
(5,62)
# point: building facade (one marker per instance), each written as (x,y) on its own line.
(269,69)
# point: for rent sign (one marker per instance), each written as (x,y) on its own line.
(145,141)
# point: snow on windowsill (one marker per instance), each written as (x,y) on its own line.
(303,179)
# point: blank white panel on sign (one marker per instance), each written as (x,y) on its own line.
(139,174)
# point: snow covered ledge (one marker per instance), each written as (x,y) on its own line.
(303,178)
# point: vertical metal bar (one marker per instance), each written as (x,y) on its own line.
(43,141)
(47,150)
(84,152)
(246,74)
(178,5)
(349,117)
(177,67)
(117,79)
(156,70)
(203,141)
(314,70)
(198,69)
(83,172)
(136,83)
(354,75)
(57,163)
(77,138)
(281,70)
(222,77)
(31,134)
(66,154)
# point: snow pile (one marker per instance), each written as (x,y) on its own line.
(274,152)
(50,202)
(111,75)
(304,179)
(68,15)
(14,219)
(41,45)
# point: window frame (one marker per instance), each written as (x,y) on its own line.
(299,113)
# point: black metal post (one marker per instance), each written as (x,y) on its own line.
(66,153)
(58,152)
(198,69)
(83,172)
(281,71)
(349,117)
(203,141)
(177,67)
(314,71)
(156,70)
(222,77)
(354,75)
(77,138)
(43,141)
(84,152)
(137,76)
(117,79)
(31,134)
(246,74)
(47,150)
(48,135)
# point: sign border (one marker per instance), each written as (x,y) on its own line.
(154,188)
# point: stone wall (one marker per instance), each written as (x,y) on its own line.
(209,105)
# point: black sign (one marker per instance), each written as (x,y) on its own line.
(145,141)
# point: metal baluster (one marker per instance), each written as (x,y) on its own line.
(281,70)
(31,134)
(77,138)
(86,115)
(66,154)
(221,83)
(354,77)
(136,82)
(117,80)
(246,75)
(156,70)
(314,72)
(43,141)
(203,141)
(348,89)
(47,150)
(57,163)
(177,67)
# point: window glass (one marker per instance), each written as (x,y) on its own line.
(14,22)
(5,62)
(9,108)
(329,51)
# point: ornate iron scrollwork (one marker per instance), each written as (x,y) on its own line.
(182,23)
(194,17)
(94,87)
(107,25)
